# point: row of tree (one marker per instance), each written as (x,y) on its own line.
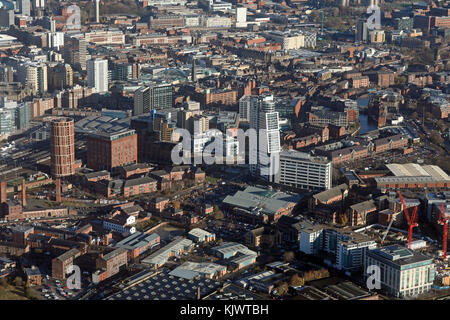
(296,280)
(18,282)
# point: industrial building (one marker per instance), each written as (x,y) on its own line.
(258,204)
(173,249)
(413,176)
(138,243)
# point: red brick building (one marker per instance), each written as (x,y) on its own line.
(110,264)
(107,151)
(360,82)
(62,147)
(137,186)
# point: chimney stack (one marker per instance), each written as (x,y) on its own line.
(24,193)
(3,191)
(58,190)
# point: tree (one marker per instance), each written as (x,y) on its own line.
(282,289)
(219,215)
(400,80)
(415,115)
(3,282)
(436,138)
(296,281)
(343,219)
(29,293)
(335,12)
(18,282)
(288,256)
(176,205)
(441,125)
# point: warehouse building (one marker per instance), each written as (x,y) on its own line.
(200,235)
(138,243)
(257,205)
(413,176)
(191,270)
(173,249)
(236,254)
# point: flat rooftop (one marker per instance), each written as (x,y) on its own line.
(416,170)
(164,286)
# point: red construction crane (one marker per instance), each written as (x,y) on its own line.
(412,221)
(443,221)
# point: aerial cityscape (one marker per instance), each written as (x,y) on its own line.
(224,150)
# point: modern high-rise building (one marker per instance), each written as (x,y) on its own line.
(244,108)
(75,51)
(97,11)
(55,40)
(6,17)
(23,115)
(60,76)
(155,97)
(301,170)
(24,7)
(6,73)
(109,150)
(241,17)
(264,155)
(33,75)
(97,71)
(403,272)
(362,31)
(7,121)
(62,147)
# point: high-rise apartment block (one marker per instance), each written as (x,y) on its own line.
(155,97)
(264,156)
(97,70)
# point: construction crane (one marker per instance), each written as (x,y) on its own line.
(387,230)
(443,221)
(411,220)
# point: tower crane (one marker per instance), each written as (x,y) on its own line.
(443,221)
(411,220)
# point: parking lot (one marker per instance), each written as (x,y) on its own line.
(53,289)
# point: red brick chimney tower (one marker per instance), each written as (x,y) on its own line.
(24,193)
(58,190)
(3,191)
